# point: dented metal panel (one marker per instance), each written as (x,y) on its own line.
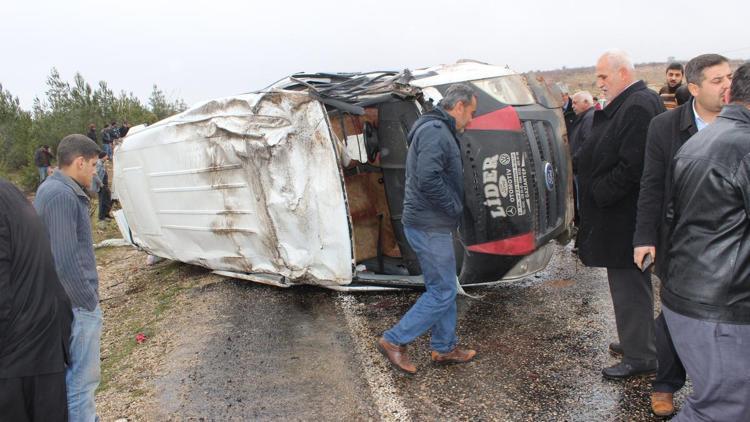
(247,184)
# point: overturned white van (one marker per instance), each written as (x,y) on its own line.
(302,182)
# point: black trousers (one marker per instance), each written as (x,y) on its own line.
(35,398)
(670,376)
(633,300)
(105,202)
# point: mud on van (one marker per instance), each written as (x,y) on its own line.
(303,182)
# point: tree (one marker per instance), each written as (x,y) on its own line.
(68,108)
(161,106)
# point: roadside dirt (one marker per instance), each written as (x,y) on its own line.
(153,301)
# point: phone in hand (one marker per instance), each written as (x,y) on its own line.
(648,260)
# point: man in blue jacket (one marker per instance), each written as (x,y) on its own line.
(433,205)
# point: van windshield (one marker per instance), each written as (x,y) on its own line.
(510,89)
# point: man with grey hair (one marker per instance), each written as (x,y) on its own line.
(63,205)
(567,106)
(609,172)
(583,105)
(433,205)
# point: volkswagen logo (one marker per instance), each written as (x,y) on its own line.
(549,176)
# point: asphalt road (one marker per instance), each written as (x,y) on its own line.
(308,354)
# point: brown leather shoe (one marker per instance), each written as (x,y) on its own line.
(396,355)
(457,355)
(662,404)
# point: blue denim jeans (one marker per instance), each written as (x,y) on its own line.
(42,173)
(108,149)
(435,310)
(83,374)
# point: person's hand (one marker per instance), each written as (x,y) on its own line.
(640,252)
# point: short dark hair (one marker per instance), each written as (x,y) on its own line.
(675,66)
(74,146)
(695,67)
(740,90)
(682,95)
(457,93)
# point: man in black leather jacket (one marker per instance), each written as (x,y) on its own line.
(708,77)
(706,296)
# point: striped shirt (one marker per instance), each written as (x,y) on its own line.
(64,208)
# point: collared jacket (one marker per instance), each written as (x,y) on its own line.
(580,131)
(569,115)
(434,192)
(709,258)
(35,313)
(666,134)
(609,174)
(64,208)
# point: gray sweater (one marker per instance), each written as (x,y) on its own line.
(64,208)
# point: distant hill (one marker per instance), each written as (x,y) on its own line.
(584,78)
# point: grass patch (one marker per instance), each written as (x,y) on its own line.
(153,292)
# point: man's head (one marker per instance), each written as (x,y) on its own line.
(103,156)
(582,101)
(709,78)
(77,156)
(565,92)
(113,123)
(92,126)
(106,126)
(614,73)
(674,74)
(740,91)
(460,101)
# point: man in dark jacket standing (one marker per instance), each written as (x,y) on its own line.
(583,105)
(433,205)
(92,132)
(35,316)
(42,161)
(107,140)
(567,107)
(706,296)
(709,77)
(609,173)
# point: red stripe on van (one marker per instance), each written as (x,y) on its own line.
(518,245)
(504,119)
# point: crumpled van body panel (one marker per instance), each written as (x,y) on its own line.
(247,184)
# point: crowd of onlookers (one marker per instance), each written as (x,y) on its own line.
(670,190)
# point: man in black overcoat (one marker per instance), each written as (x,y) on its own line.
(35,316)
(609,173)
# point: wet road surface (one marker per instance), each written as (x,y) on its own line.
(307,353)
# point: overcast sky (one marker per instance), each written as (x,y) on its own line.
(198,50)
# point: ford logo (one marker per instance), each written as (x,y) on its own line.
(549,176)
